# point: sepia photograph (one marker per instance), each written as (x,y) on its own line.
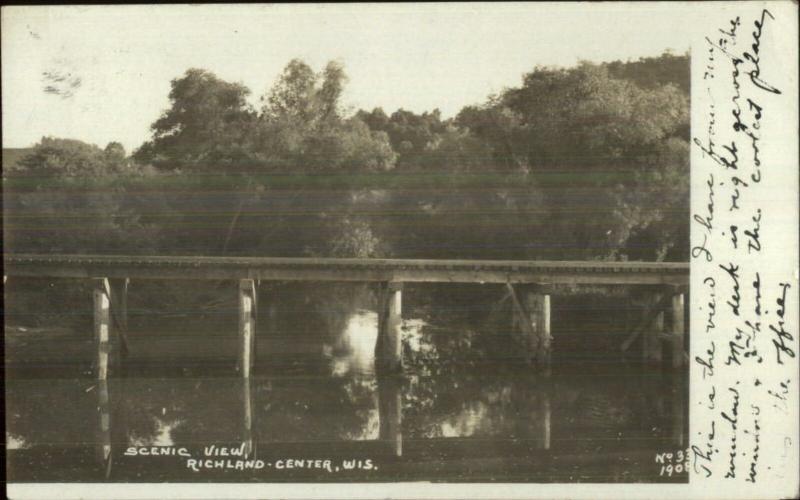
(313,243)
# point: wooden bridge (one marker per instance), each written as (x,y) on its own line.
(530,284)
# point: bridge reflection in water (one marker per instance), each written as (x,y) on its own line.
(498,421)
(514,428)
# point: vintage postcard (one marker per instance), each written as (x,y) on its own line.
(465,250)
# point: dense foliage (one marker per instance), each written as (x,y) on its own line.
(585,162)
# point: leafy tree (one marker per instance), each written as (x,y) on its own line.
(350,147)
(600,144)
(115,151)
(301,130)
(301,96)
(584,117)
(69,196)
(411,135)
(502,129)
(55,157)
(302,127)
(207,125)
(354,238)
(654,72)
(377,119)
(66,196)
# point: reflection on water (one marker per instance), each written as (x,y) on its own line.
(14,442)
(354,350)
(460,412)
(161,437)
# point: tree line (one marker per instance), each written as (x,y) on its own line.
(586,162)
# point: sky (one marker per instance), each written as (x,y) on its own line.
(102,73)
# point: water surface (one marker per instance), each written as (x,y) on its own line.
(464,409)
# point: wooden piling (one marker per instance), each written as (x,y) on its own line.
(388,349)
(390,413)
(103,446)
(119,312)
(546,418)
(247,413)
(522,328)
(652,338)
(247,326)
(529,399)
(119,301)
(678,330)
(102,326)
(658,339)
(545,337)
(538,308)
(533,307)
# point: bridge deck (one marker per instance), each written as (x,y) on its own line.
(354,270)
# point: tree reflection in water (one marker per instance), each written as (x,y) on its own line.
(463,394)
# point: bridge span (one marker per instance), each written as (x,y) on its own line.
(360,270)
(529,283)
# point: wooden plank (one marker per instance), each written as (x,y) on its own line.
(102,326)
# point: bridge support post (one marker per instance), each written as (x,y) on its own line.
(678,330)
(102,326)
(388,349)
(247,412)
(546,420)
(119,312)
(119,301)
(103,446)
(390,413)
(247,326)
(538,307)
(652,337)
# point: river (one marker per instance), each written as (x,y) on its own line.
(465,408)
